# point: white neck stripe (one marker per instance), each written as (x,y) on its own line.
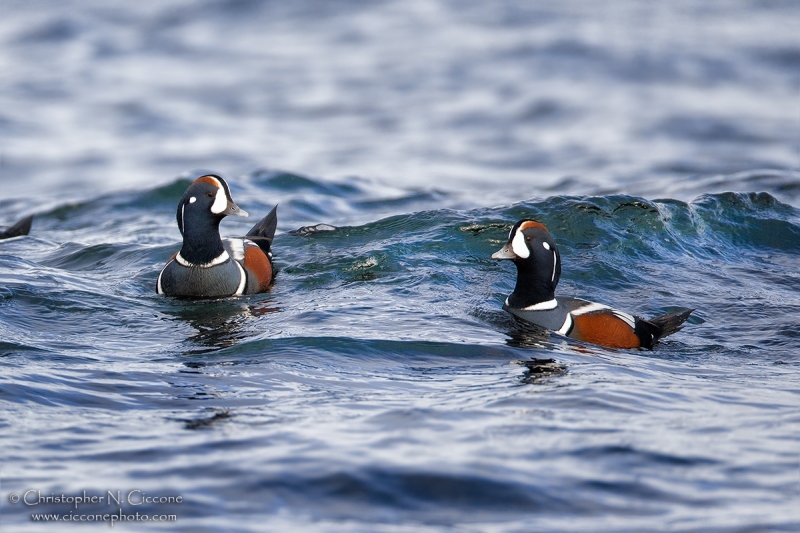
(221,258)
(542,306)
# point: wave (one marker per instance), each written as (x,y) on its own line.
(427,274)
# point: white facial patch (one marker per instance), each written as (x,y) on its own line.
(220,202)
(519,247)
(545,246)
(192,200)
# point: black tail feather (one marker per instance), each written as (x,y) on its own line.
(20,228)
(670,323)
(263,232)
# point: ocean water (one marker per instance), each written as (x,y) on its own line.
(379,386)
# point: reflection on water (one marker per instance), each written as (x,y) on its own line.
(219,323)
(215,417)
(541,368)
(527,335)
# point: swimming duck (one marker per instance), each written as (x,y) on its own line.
(206,266)
(533,250)
(20,228)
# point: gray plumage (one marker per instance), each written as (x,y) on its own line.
(552,319)
(203,282)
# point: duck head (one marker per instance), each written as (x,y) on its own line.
(535,254)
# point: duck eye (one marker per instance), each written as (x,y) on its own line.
(528,239)
(210,194)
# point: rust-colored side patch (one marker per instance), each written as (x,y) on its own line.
(210,180)
(257,265)
(531,224)
(604,329)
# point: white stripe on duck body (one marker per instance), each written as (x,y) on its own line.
(207,266)
(535,254)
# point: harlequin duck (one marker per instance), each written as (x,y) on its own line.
(206,266)
(20,228)
(533,250)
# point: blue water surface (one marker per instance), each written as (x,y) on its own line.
(379,386)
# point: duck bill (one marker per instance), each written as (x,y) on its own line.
(504,253)
(235,210)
